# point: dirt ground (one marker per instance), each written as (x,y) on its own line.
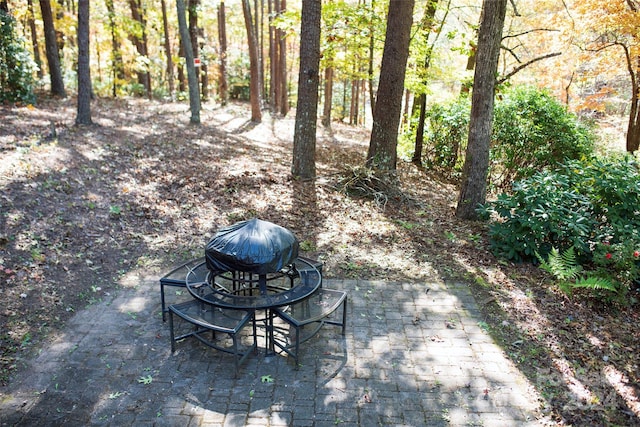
(82,206)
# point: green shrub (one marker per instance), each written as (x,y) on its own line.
(16,65)
(532,131)
(448,127)
(590,205)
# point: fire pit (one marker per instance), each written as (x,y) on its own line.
(253,264)
(251,253)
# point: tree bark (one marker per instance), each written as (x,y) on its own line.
(476,166)
(167,48)
(140,42)
(194,93)
(83,116)
(255,90)
(426,27)
(274,84)
(382,152)
(304,138)
(34,38)
(117,67)
(223,88)
(328,97)
(281,37)
(51,45)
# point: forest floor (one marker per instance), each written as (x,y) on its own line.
(141,188)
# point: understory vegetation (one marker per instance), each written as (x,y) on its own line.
(557,202)
(585,212)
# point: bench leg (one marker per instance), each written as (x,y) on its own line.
(173,343)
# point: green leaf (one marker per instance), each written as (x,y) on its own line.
(145,380)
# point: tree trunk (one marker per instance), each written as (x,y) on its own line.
(117,67)
(372,33)
(255,91)
(34,39)
(426,27)
(140,42)
(281,38)
(194,93)
(328,97)
(223,88)
(167,48)
(274,84)
(304,138)
(51,45)
(474,179)
(417,151)
(382,152)
(83,116)
(194,32)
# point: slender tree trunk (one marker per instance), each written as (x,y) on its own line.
(328,96)
(372,96)
(34,39)
(417,151)
(633,128)
(274,84)
(282,51)
(382,153)
(167,48)
(194,33)
(181,77)
(259,8)
(117,67)
(223,88)
(427,27)
(194,93)
(140,42)
(304,138)
(255,91)
(51,45)
(476,166)
(83,116)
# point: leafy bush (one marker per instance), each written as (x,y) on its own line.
(532,131)
(590,205)
(16,66)
(447,135)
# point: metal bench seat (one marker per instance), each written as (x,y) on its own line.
(316,309)
(207,318)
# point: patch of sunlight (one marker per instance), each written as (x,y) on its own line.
(619,382)
(135,304)
(574,385)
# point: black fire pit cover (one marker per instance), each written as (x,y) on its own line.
(252,246)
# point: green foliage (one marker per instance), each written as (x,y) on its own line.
(564,267)
(591,283)
(561,265)
(532,131)
(446,136)
(542,212)
(16,66)
(590,206)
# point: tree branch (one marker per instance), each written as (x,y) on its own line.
(528,31)
(526,64)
